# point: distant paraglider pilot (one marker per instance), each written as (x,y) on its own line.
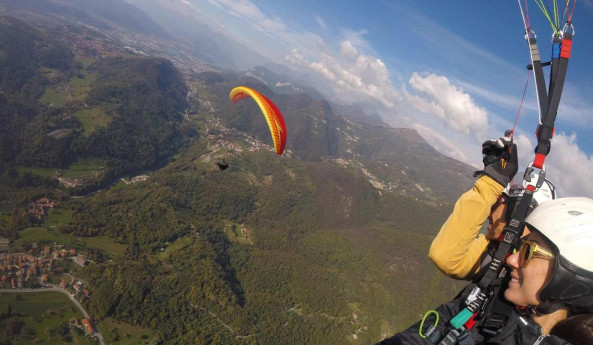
(222,166)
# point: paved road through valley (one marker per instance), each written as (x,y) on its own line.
(55,288)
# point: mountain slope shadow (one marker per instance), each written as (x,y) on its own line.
(221,245)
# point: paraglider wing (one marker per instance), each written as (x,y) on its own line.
(272,114)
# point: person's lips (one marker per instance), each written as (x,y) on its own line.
(515,278)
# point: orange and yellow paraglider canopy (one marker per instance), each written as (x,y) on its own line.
(271,112)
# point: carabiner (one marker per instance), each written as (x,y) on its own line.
(541,177)
(529,33)
(432,328)
(566,26)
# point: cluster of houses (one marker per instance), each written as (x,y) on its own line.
(24,270)
(69,182)
(60,252)
(64,88)
(19,270)
(39,207)
(78,287)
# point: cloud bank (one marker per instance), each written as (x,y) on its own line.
(569,168)
(354,76)
(435,95)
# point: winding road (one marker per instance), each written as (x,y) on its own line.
(55,288)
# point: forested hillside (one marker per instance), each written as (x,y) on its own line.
(122,112)
(324,245)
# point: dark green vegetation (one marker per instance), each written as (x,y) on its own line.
(325,245)
(124,112)
(39,318)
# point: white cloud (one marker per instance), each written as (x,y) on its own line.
(215,3)
(324,71)
(354,76)
(321,22)
(296,57)
(525,149)
(188,4)
(441,144)
(349,71)
(575,107)
(248,10)
(348,51)
(357,39)
(435,95)
(569,168)
(504,100)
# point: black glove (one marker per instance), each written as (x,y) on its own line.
(500,160)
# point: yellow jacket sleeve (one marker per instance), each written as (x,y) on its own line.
(456,250)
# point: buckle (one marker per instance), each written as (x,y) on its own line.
(494,323)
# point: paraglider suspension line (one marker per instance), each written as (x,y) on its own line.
(520,104)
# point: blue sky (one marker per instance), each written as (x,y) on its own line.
(453,70)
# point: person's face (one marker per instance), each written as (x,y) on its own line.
(526,282)
(496,221)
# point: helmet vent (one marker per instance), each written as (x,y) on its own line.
(575,213)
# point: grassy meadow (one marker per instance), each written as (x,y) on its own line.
(40,318)
(92,119)
(120,333)
(41,235)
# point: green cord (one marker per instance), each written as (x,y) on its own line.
(424,319)
(544,10)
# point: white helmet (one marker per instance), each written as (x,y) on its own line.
(546,192)
(567,224)
(514,192)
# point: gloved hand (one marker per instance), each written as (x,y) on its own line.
(500,160)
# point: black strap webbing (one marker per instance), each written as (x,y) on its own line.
(556,42)
(547,129)
(511,235)
(538,74)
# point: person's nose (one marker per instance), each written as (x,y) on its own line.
(513,260)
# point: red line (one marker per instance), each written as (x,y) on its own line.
(521,104)
(527,16)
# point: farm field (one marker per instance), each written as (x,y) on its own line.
(40,318)
(119,333)
(76,89)
(83,168)
(92,119)
(42,234)
(54,98)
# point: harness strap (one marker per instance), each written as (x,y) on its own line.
(546,130)
(556,42)
(465,338)
(538,74)
(459,336)
(435,336)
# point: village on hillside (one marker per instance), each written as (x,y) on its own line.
(45,266)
